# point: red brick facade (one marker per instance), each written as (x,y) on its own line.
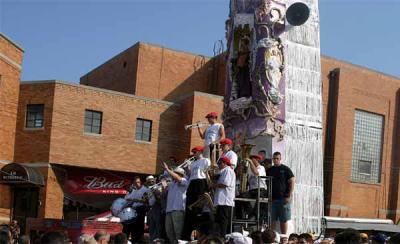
(350,87)
(10,70)
(157,72)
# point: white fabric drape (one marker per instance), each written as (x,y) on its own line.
(303,128)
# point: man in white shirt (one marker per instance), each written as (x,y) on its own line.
(139,200)
(224,195)
(254,171)
(197,186)
(212,135)
(176,200)
(228,152)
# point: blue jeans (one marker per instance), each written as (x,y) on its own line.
(281,211)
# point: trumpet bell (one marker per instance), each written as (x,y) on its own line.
(297,14)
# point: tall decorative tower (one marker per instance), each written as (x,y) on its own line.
(273,92)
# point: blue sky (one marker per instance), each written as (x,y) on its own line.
(64,39)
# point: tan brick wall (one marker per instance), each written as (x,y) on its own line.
(115,148)
(10,50)
(53,197)
(10,60)
(167,74)
(33,145)
(117,74)
(363,89)
(160,73)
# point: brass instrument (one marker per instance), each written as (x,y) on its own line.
(187,162)
(211,172)
(245,150)
(215,153)
(196,125)
(155,190)
(203,200)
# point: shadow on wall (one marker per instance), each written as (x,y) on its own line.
(395,164)
(330,136)
(208,77)
(169,136)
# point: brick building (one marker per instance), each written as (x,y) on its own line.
(10,70)
(128,114)
(361,161)
(64,129)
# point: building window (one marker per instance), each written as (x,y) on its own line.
(143,130)
(365,167)
(93,121)
(34,116)
(367,147)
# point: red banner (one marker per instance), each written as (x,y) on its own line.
(96,182)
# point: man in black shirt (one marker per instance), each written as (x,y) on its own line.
(282,191)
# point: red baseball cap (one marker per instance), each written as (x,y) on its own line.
(225,141)
(212,115)
(225,160)
(197,149)
(256,157)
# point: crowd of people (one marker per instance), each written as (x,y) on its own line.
(206,235)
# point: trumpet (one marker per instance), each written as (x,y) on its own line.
(157,186)
(197,125)
(187,162)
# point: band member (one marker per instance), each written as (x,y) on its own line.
(164,180)
(254,171)
(224,194)
(197,186)
(213,134)
(154,214)
(139,202)
(176,200)
(228,152)
(266,162)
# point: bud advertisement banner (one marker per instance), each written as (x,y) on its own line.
(96,182)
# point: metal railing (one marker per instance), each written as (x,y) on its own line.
(258,222)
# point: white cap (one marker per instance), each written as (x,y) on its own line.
(239,238)
(179,171)
(150,177)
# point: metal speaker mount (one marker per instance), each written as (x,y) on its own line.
(297,14)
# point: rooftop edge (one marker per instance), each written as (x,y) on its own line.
(33,82)
(11,41)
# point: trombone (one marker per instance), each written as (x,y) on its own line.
(186,163)
(196,125)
